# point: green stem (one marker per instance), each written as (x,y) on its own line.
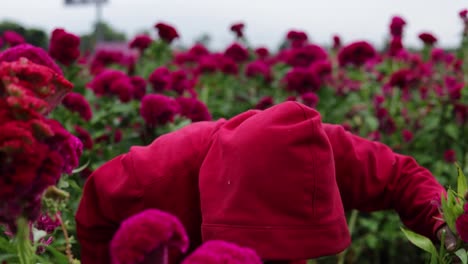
(351,226)
(23,243)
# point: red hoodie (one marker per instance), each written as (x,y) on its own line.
(276,180)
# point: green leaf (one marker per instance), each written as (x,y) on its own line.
(81,168)
(462,186)
(59,257)
(5,257)
(452,131)
(6,246)
(420,241)
(461,254)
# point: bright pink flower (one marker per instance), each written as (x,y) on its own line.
(193,109)
(297,38)
(158,109)
(145,232)
(46,223)
(463,14)
(32,53)
(216,252)
(262,53)
(101,83)
(396,26)
(123,88)
(310,99)
(160,79)
(322,68)
(264,103)
(402,78)
(395,47)
(237,52)
(140,42)
(306,55)
(166,32)
(64,46)
(238,29)
(450,156)
(103,58)
(356,54)
(427,38)
(179,82)
(259,68)
(13,38)
(76,102)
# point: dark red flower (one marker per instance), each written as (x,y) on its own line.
(395,47)
(193,109)
(141,234)
(103,58)
(297,38)
(84,137)
(461,113)
(158,109)
(262,52)
(166,32)
(179,82)
(238,29)
(237,52)
(139,87)
(101,83)
(301,80)
(427,38)
(228,66)
(140,42)
(356,54)
(463,14)
(123,88)
(258,68)
(407,135)
(160,79)
(450,156)
(64,46)
(264,103)
(461,225)
(216,251)
(336,42)
(13,38)
(76,102)
(396,26)
(32,53)
(310,99)
(306,55)
(402,78)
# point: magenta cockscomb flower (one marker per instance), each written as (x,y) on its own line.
(64,46)
(396,26)
(158,109)
(13,38)
(238,29)
(193,109)
(166,32)
(32,53)
(143,233)
(306,55)
(76,102)
(259,68)
(237,52)
(450,156)
(407,135)
(301,80)
(460,112)
(216,252)
(310,99)
(427,38)
(140,42)
(336,42)
(180,82)
(297,38)
(122,88)
(356,53)
(461,224)
(160,79)
(264,103)
(262,53)
(395,47)
(139,87)
(101,83)
(84,136)
(463,14)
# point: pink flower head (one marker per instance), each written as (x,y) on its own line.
(216,252)
(463,14)
(84,136)
(461,113)
(297,38)
(228,65)
(76,102)
(46,223)
(264,103)
(180,82)
(461,224)
(357,54)
(160,79)
(336,42)
(139,87)
(140,42)
(301,80)
(238,29)
(450,156)
(158,109)
(193,109)
(310,99)
(396,26)
(166,32)
(237,52)
(64,46)
(262,52)
(123,88)
(258,68)
(427,38)
(13,38)
(407,135)
(306,55)
(145,232)
(101,84)
(32,53)
(322,68)
(395,47)
(402,78)
(105,57)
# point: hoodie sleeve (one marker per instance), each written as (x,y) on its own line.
(163,175)
(372,177)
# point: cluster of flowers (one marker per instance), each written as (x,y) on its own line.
(146,237)
(34,150)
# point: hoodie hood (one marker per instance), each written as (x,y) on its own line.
(268,183)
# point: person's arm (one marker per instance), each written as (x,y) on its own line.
(372,177)
(163,175)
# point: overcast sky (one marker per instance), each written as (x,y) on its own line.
(267,21)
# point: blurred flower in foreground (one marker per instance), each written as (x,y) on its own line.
(216,252)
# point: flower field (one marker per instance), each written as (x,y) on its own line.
(65,112)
